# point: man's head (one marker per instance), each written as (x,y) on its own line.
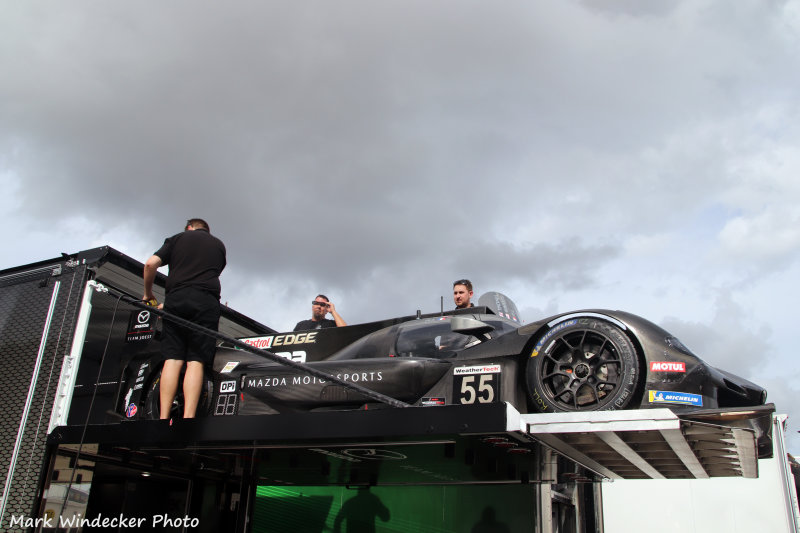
(462,292)
(197,223)
(319,307)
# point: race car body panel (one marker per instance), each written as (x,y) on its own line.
(403,379)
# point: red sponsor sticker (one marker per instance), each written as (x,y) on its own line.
(667,366)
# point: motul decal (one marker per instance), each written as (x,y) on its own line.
(667,366)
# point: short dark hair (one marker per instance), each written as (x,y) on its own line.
(322,296)
(198,223)
(465,282)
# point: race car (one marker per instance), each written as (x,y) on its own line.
(577,361)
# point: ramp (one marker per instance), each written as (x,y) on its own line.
(648,444)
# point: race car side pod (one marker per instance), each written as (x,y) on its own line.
(269,355)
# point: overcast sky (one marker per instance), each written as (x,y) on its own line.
(601,154)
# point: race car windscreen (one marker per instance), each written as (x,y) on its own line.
(430,339)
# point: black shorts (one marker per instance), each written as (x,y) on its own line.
(198,307)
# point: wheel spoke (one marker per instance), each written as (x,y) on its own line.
(566,343)
(560,388)
(558,372)
(583,341)
(555,361)
(599,352)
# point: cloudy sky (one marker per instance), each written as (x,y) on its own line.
(598,154)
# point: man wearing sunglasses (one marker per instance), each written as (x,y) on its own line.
(320,307)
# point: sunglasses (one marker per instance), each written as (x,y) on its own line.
(321,304)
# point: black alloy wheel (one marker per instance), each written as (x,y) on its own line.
(582,364)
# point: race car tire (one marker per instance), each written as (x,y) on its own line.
(152,400)
(582,364)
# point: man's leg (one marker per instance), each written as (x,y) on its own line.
(170,375)
(192,386)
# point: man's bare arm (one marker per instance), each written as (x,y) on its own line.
(149,275)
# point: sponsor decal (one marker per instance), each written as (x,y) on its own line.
(131,410)
(140,376)
(229,366)
(227,386)
(140,327)
(270,341)
(667,366)
(427,402)
(478,369)
(680,398)
(128,398)
(553,331)
(264,382)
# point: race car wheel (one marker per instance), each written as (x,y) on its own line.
(582,364)
(152,401)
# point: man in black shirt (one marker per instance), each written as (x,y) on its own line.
(320,307)
(195,259)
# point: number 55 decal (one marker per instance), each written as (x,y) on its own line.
(480,388)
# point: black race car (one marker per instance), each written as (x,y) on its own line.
(578,361)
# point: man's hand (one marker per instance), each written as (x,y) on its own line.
(336,318)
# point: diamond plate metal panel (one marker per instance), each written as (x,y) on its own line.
(31,351)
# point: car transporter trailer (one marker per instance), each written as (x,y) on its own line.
(72,463)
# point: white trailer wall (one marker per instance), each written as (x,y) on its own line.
(767,504)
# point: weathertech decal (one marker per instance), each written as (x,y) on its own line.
(485,369)
(680,398)
(665,366)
